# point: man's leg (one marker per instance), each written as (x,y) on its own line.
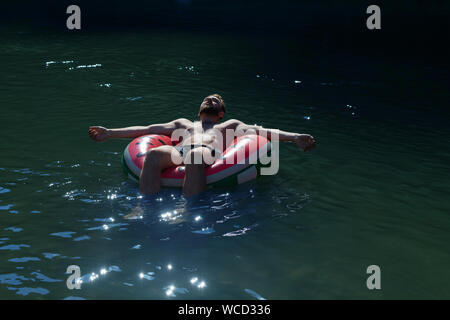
(156,161)
(195,177)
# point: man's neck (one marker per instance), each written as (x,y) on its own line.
(207,124)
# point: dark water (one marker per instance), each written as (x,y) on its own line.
(375,190)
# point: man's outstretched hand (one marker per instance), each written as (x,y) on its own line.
(305,142)
(98,134)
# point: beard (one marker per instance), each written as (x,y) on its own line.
(209,109)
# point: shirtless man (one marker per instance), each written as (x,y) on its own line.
(200,142)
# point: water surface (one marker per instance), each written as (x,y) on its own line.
(374,191)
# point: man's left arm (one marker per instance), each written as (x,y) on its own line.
(303,141)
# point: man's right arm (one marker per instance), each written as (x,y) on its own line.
(99,134)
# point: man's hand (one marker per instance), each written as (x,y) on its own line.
(98,134)
(305,141)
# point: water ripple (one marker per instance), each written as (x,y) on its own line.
(14,247)
(26,290)
(64,234)
(254,294)
(24,259)
(12,279)
(4,190)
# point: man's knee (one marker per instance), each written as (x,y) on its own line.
(156,157)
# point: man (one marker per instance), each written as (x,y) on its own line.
(200,141)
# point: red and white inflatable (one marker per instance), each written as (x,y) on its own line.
(239,163)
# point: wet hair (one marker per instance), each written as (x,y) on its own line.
(210,109)
(222,102)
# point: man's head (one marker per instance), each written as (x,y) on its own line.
(212,108)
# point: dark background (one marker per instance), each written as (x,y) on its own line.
(414,28)
(411,47)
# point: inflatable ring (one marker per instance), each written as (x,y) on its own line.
(239,163)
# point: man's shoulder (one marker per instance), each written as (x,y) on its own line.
(182,123)
(230,124)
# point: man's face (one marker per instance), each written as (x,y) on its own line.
(211,101)
(212,108)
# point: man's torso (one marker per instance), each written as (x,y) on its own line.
(213,135)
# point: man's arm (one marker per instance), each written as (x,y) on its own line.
(303,141)
(99,134)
